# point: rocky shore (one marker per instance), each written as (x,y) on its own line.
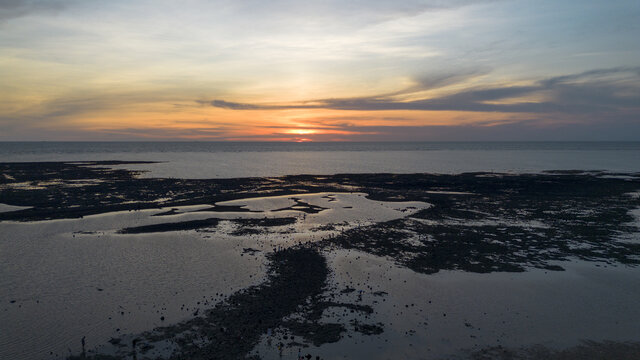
(475,222)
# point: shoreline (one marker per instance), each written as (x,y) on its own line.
(422,224)
(73,188)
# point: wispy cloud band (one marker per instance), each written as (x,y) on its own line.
(595,90)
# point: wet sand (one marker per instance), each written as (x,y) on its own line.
(468,266)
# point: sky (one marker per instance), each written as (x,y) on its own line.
(359,70)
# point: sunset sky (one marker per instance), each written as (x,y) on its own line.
(320,70)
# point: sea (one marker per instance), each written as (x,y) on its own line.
(266,159)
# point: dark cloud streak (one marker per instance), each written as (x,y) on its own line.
(11,9)
(234,106)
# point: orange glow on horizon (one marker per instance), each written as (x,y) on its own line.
(188,121)
(301,131)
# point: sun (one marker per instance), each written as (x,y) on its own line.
(301,131)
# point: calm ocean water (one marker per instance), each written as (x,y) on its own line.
(242,159)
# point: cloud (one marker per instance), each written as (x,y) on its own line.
(166,133)
(234,106)
(446,78)
(356,11)
(598,90)
(597,73)
(525,130)
(10,9)
(532,129)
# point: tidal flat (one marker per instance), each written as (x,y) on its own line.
(100,262)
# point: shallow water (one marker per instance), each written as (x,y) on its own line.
(447,314)
(65,279)
(9,208)
(67,285)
